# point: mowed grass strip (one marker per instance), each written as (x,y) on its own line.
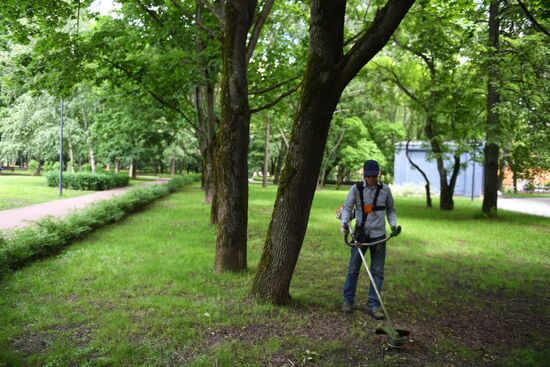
(143,292)
(19,191)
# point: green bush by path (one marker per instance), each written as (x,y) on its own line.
(88,181)
(50,235)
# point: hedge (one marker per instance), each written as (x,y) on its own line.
(88,181)
(50,235)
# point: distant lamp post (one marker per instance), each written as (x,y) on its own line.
(61,152)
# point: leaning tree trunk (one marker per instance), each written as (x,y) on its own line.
(280,159)
(490,189)
(427,186)
(327,74)
(330,155)
(231,155)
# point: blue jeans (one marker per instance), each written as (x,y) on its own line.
(377,258)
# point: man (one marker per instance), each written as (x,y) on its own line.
(370,226)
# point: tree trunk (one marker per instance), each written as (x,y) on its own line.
(132,171)
(92,158)
(280,160)
(207,131)
(490,189)
(210,184)
(266,151)
(427,186)
(501,169)
(38,170)
(231,156)
(117,165)
(330,156)
(339,177)
(172,166)
(445,190)
(327,74)
(71,157)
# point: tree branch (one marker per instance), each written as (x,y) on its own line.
(285,140)
(257,29)
(151,13)
(373,40)
(190,15)
(427,60)
(153,94)
(216,10)
(270,88)
(532,18)
(401,86)
(276,100)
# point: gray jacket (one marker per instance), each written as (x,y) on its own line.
(376,224)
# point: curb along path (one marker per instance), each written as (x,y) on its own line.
(22,217)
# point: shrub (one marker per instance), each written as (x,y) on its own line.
(33,165)
(86,168)
(50,235)
(88,181)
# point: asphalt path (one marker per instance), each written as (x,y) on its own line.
(22,217)
(536,206)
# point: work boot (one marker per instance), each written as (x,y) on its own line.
(347,307)
(377,314)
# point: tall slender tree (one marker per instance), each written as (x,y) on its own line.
(490,189)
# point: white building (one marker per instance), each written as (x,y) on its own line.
(469,180)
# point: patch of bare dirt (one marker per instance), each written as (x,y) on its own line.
(37,342)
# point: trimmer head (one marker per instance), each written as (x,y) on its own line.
(395,336)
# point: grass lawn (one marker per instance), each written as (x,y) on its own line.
(18,191)
(473,292)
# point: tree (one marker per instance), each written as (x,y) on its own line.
(490,187)
(428,73)
(329,70)
(31,128)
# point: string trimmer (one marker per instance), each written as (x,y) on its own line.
(395,335)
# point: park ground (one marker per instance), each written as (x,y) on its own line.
(472,291)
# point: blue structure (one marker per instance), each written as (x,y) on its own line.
(468,183)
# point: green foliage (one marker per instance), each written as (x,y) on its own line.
(88,181)
(33,165)
(50,235)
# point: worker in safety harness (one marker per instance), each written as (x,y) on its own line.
(371,200)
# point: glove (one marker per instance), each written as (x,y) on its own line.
(395,230)
(344,229)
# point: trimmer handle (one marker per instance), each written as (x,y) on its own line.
(354,243)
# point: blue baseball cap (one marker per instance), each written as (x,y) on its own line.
(371,168)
